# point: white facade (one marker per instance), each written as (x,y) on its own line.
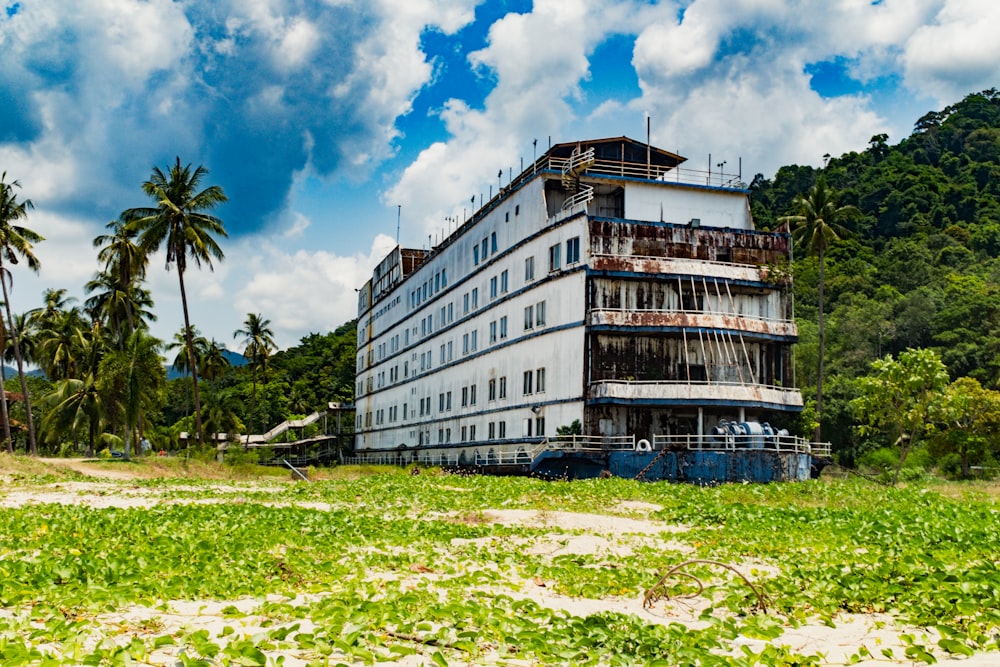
(515,325)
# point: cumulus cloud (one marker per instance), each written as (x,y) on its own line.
(537,75)
(307,291)
(957,53)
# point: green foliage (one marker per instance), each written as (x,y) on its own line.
(394,565)
(897,399)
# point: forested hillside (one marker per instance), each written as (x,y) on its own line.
(919,268)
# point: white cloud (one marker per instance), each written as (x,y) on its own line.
(539,60)
(956,54)
(306,291)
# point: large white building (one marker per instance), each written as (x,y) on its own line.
(604,285)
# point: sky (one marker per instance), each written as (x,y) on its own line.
(327,123)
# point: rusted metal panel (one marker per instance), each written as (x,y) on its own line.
(615,237)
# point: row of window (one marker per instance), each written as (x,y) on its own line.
(496,390)
(495,430)
(498,285)
(429,288)
(534,317)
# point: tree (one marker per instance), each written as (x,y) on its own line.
(969,416)
(15,243)
(132,378)
(122,300)
(815,227)
(258,341)
(180,221)
(76,402)
(214,362)
(897,398)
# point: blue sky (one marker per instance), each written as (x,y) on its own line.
(319,118)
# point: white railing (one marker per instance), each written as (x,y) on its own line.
(789,444)
(653,172)
(584,196)
(696,390)
(583,443)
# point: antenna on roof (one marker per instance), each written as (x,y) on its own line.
(399,215)
(534,154)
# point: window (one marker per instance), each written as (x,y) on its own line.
(492,390)
(517,210)
(465,343)
(503,327)
(440,404)
(503,430)
(573,250)
(465,433)
(529,269)
(540,380)
(440,435)
(493,287)
(493,332)
(528,377)
(465,399)
(437,281)
(442,355)
(475,255)
(529,318)
(475,335)
(475,298)
(449,350)
(444,278)
(503,387)
(472,432)
(404,410)
(493,430)
(503,282)
(539,426)
(447,435)
(451,312)
(554,257)
(447,404)
(540,314)
(493,242)
(526,428)
(485,249)
(465,303)
(472,394)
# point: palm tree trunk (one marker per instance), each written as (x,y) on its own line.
(192,362)
(822,341)
(3,412)
(20,365)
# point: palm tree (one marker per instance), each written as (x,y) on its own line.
(124,267)
(179,220)
(258,342)
(222,405)
(816,226)
(133,377)
(61,338)
(79,401)
(15,243)
(214,362)
(125,308)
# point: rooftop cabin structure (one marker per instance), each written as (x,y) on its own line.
(604,284)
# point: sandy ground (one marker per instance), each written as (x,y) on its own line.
(572,533)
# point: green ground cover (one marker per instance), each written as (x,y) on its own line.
(417,569)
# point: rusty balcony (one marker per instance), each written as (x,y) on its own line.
(696,392)
(692,319)
(686,267)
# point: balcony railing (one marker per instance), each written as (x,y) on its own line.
(711,319)
(682,390)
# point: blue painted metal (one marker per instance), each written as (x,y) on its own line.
(706,467)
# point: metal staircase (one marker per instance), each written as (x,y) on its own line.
(577,163)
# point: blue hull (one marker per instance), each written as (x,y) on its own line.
(692,466)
